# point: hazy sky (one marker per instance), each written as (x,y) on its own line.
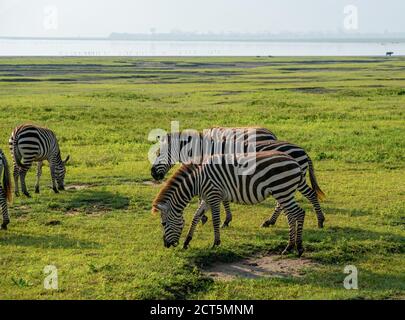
(101,17)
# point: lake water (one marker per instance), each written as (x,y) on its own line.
(193,48)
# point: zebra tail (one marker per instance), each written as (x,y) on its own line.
(6,181)
(314,183)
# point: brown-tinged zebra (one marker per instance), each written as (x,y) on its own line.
(30,143)
(5,189)
(265,143)
(192,146)
(245,179)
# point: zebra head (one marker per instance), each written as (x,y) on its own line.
(60,172)
(172,223)
(184,147)
(165,156)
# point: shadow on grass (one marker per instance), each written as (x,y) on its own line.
(330,245)
(93,201)
(350,212)
(381,285)
(47,241)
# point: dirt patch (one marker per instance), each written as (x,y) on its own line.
(273,266)
(152,183)
(53,223)
(78,186)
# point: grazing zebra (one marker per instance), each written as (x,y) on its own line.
(5,189)
(29,143)
(219,178)
(179,147)
(312,194)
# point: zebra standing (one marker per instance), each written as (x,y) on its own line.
(30,143)
(5,189)
(263,142)
(312,194)
(219,178)
(177,146)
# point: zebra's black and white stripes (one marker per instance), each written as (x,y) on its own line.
(219,178)
(190,146)
(259,139)
(5,189)
(30,143)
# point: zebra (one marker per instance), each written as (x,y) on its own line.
(219,178)
(29,143)
(175,145)
(5,189)
(266,143)
(313,194)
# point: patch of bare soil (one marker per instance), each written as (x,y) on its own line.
(273,266)
(152,183)
(78,186)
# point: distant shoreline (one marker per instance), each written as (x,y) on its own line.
(213,39)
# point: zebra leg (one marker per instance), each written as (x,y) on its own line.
(277,210)
(292,224)
(23,173)
(202,209)
(3,202)
(39,173)
(300,227)
(295,217)
(310,194)
(228,212)
(197,217)
(216,221)
(16,175)
(53,177)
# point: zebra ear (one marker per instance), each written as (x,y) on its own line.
(67,159)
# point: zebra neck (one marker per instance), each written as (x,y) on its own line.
(183,194)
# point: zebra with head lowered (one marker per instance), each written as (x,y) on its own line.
(263,142)
(192,146)
(30,143)
(5,189)
(245,179)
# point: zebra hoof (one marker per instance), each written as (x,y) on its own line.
(225,224)
(55,190)
(27,194)
(300,251)
(320,224)
(4,226)
(204,219)
(216,243)
(267,224)
(288,249)
(36,190)
(186,242)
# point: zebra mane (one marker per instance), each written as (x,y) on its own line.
(184,171)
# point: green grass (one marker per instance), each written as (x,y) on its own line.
(348,113)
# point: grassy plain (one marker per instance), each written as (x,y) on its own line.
(349,114)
